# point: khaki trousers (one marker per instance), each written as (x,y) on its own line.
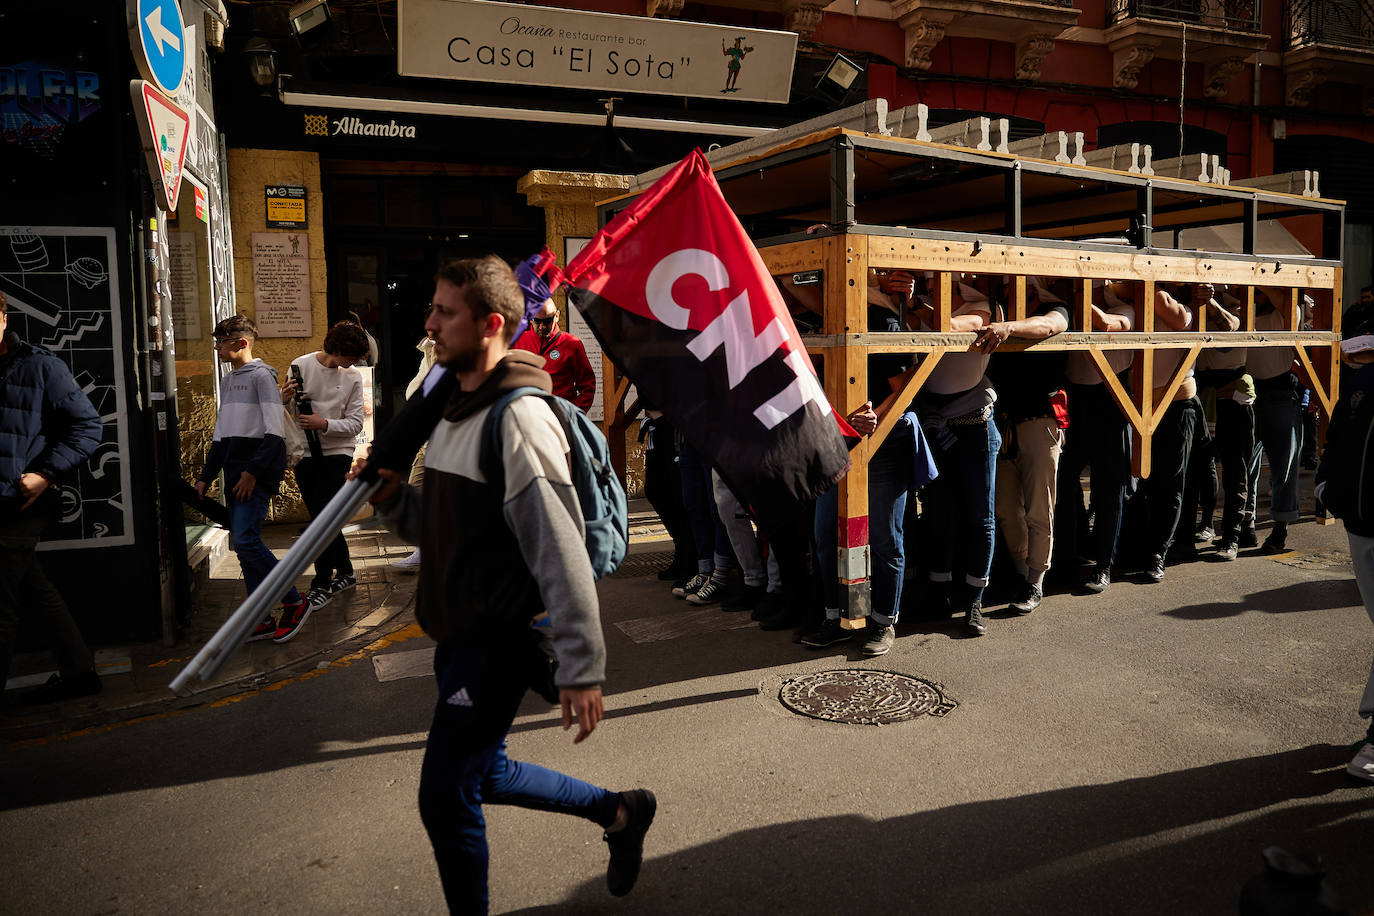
(1026,492)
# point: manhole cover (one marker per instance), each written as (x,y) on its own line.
(642,564)
(858,696)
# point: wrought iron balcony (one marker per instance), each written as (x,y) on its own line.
(1233,15)
(1339,23)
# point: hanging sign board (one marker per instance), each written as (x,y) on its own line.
(538,46)
(285,206)
(165,130)
(157,35)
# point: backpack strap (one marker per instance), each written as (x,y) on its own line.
(488,457)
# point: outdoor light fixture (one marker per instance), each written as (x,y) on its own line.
(842,72)
(307,15)
(262,64)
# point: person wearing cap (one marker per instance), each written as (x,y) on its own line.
(1032,414)
(955,410)
(1278,417)
(1098,437)
(565,357)
(1345,484)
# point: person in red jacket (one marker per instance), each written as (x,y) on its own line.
(565,359)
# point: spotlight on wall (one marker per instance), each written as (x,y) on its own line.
(838,79)
(262,64)
(307,15)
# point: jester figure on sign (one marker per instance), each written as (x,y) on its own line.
(736,55)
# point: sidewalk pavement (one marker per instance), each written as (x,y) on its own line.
(136,676)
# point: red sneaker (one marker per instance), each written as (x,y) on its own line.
(293,617)
(265,630)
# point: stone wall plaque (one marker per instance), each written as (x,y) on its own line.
(281,284)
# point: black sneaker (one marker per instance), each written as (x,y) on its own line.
(1275,544)
(829,633)
(1029,599)
(317,598)
(745,598)
(293,617)
(769,606)
(59,688)
(689,587)
(974,624)
(627,844)
(710,593)
(880,640)
(1098,582)
(1249,537)
(1154,570)
(1228,550)
(342,583)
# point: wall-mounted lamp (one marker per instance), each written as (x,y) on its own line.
(307,15)
(262,64)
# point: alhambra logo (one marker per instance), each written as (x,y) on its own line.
(318,125)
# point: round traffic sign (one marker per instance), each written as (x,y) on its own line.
(160,49)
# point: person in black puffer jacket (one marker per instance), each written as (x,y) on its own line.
(1345,484)
(47,428)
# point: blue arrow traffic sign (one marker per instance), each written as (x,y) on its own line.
(162,38)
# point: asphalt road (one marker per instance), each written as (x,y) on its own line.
(1129,753)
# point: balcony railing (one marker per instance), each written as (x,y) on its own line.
(1235,15)
(1342,23)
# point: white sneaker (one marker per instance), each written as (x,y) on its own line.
(408,564)
(1362,767)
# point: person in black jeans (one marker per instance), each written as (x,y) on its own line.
(335,392)
(663,489)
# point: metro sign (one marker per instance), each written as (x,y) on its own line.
(166,131)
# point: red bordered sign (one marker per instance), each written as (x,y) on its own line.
(166,131)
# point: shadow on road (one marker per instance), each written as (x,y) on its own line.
(1180,842)
(1300,596)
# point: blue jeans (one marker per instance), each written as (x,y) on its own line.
(889,479)
(1278,426)
(961,505)
(245,537)
(465,766)
(698,499)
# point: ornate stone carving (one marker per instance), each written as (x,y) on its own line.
(924,30)
(1302,82)
(803,17)
(1128,62)
(1219,75)
(663,9)
(1030,51)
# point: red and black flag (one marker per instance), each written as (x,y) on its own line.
(682,303)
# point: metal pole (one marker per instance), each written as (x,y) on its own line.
(312,542)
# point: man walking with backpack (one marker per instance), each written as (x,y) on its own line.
(477,595)
(1345,484)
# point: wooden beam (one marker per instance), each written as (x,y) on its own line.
(793,257)
(944,301)
(1328,403)
(1018,297)
(993,258)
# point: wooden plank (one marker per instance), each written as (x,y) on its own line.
(944,304)
(1328,404)
(1167,399)
(1124,157)
(922,341)
(793,257)
(1129,264)
(1018,297)
(1083,295)
(1302,183)
(1053,146)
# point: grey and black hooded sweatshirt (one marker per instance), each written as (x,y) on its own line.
(249,429)
(480,543)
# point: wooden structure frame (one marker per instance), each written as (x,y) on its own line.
(843,202)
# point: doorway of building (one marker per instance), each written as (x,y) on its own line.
(385,235)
